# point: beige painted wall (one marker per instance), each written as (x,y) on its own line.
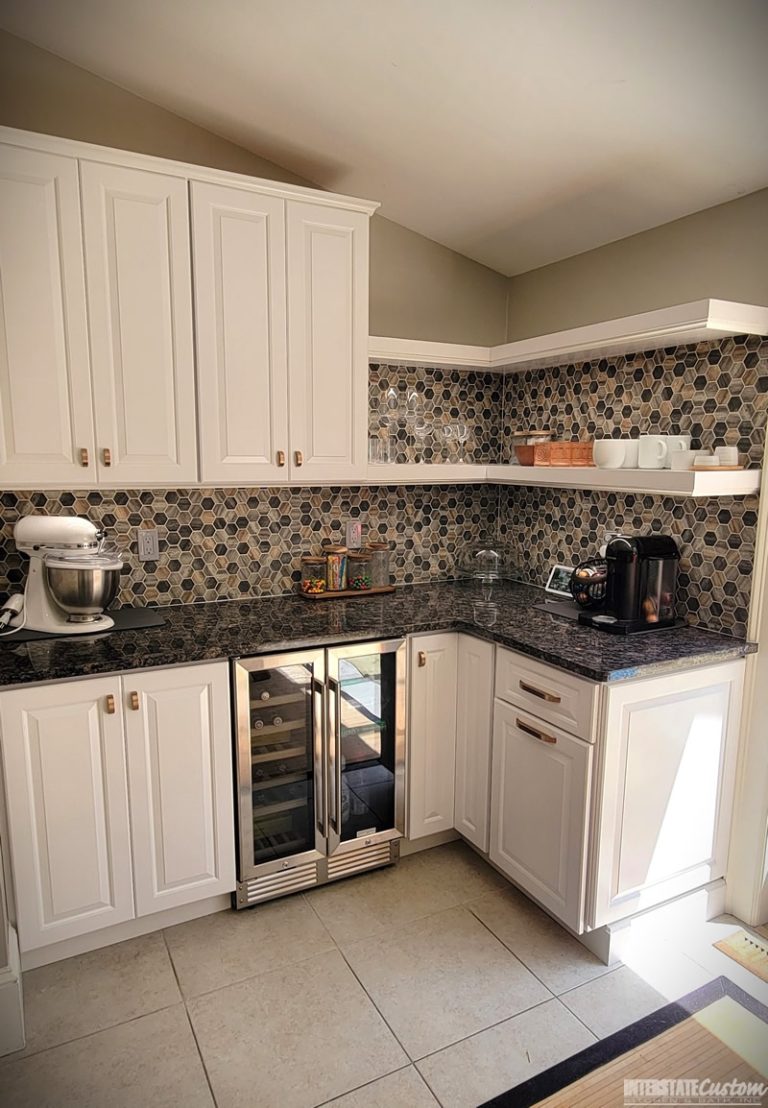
(419,289)
(721,252)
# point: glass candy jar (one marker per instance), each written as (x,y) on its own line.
(313,579)
(379,552)
(359,571)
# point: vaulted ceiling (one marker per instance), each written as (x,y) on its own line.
(516,132)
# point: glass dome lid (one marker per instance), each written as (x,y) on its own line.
(484,561)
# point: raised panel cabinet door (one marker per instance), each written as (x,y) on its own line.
(327,261)
(433,663)
(136,228)
(668,766)
(474,708)
(238,240)
(539,810)
(179,739)
(46,421)
(66,787)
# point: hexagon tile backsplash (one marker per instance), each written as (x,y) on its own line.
(222,543)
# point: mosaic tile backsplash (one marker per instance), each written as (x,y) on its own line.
(223,544)
(232,543)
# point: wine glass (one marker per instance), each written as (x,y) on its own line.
(462,435)
(420,433)
(449,436)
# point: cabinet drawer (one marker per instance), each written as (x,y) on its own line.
(551,694)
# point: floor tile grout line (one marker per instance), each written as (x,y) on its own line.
(261,973)
(365,1084)
(509,949)
(189,1018)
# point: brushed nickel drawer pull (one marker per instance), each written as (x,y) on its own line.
(298,457)
(550,697)
(133,701)
(542,736)
(109,704)
(422,657)
(281,457)
(107,456)
(84,459)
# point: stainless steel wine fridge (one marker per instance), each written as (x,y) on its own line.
(321,765)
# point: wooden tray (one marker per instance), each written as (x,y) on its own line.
(345,593)
(717,469)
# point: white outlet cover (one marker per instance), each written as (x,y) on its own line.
(354,534)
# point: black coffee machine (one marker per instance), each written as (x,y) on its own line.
(641,586)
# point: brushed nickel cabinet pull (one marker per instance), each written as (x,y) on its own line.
(109,704)
(107,456)
(281,457)
(550,697)
(542,736)
(298,457)
(422,657)
(133,701)
(84,459)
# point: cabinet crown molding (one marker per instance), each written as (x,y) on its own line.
(87,151)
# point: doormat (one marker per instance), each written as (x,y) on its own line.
(748,951)
(718,1033)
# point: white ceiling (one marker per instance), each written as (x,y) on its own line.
(517,132)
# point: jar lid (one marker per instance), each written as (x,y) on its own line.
(376,546)
(335,550)
(312,559)
(360,556)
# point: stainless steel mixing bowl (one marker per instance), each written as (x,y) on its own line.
(83,591)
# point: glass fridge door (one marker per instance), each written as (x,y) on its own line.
(366,744)
(280,709)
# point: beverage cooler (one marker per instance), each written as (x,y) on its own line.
(320,766)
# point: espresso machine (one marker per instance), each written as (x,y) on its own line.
(640,586)
(72,577)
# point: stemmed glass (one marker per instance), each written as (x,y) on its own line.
(420,431)
(462,435)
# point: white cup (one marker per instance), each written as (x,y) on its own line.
(727,455)
(676,443)
(631,453)
(704,461)
(653,451)
(682,460)
(608,453)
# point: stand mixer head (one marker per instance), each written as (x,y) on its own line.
(71,578)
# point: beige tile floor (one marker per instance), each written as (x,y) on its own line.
(431,983)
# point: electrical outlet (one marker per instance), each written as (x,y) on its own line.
(149,544)
(354,534)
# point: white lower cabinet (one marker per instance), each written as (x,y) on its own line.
(67,793)
(97,839)
(180,781)
(474,707)
(433,663)
(662,821)
(540,810)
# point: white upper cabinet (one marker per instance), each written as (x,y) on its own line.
(46,421)
(136,230)
(327,259)
(238,241)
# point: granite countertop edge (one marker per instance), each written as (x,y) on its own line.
(223,630)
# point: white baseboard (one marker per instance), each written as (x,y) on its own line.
(11,1007)
(95,940)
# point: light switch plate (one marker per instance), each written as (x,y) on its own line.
(148,543)
(354,534)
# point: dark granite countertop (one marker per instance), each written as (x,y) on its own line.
(230,629)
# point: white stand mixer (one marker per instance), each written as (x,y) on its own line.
(71,578)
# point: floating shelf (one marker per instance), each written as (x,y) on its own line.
(697,321)
(427,474)
(664,482)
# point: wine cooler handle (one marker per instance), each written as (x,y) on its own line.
(318,714)
(334,751)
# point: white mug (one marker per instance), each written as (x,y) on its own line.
(653,451)
(675,443)
(608,453)
(631,453)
